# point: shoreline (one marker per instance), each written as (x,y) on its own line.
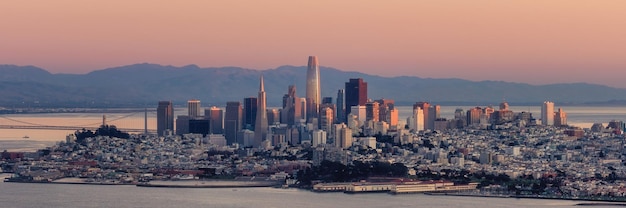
(590,200)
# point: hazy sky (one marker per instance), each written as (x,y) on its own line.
(534,42)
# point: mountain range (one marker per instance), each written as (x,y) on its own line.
(142,85)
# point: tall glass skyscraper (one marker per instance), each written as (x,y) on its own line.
(356,94)
(313,92)
(341,108)
(165,117)
(249,112)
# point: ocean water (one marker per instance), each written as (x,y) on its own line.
(64,195)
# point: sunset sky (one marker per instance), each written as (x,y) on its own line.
(537,42)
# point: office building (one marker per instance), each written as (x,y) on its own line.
(547,113)
(165,117)
(425,106)
(182,124)
(273,116)
(326,119)
(433,115)
(560,118)
(474,115)
(199,126)
(372,111)
(292,107)
(261,126)
(193,108)
(341,107)
(249,112)
(355,94)
(233,121)
(216,117)
(313,89)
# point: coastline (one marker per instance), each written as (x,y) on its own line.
(592,201)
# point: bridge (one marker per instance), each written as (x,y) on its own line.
(126,123)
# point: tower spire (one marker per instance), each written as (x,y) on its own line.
(261,85)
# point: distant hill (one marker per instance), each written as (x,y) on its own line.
(142,85)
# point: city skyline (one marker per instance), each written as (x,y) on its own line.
(565,41)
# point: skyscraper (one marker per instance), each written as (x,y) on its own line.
(249,112)
(560,118)
(260,127)
(433,115)
(547,113)
(356,94)
(425,106)
(341,108)
(233,122)
(165,117)
(216,117)
(326,118)
(313,92)
(193,108)
(372,111)
(292,111)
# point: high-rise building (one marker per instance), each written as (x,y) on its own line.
(193,108)
(165,117)
(356,94)
(326,118)
(273,116)
(341,108)
(386,107)
(292,107)
(232,122)
(547,113)
(182,124)
(343,136)
(261,126)
(313,89)
(392,117)
(372,111)
(216,117)
(249,112)
(360,113)
(416,121)
(433,115)
(560,118)
(473,116)
(425,106)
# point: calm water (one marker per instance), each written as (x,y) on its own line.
(61,195)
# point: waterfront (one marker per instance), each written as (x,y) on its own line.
(581,116)
(65,195)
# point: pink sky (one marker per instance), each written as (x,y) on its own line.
(535,42)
